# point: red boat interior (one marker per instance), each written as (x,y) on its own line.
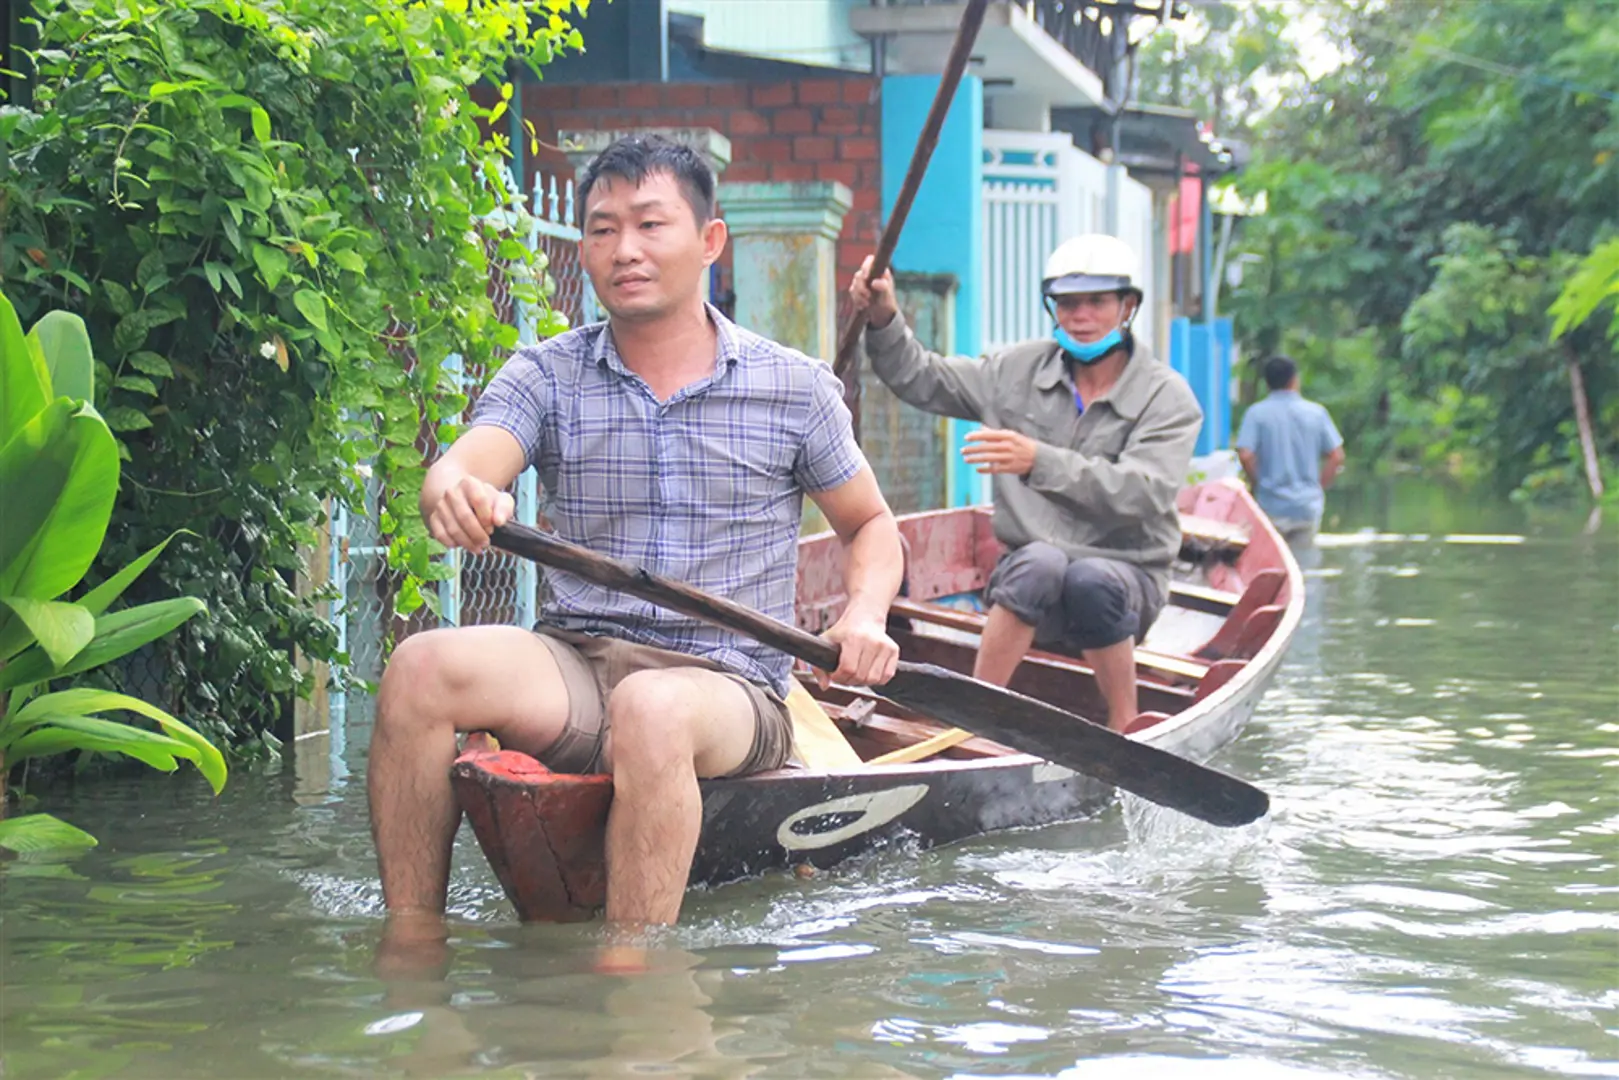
(1228,599)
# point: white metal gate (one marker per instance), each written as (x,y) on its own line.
(1039,190)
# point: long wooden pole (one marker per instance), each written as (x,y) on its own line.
(955,66)
(1023,723)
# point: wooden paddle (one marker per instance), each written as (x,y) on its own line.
(1023,723)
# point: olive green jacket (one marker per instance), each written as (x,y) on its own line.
(1103,482)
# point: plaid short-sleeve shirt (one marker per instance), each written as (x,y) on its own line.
(706,488)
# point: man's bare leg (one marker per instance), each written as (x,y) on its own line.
(499,679)
(666,728)
(1115,667)
(1002,646)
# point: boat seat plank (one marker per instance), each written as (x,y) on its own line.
(1203,598)
(973,623)
(1261,592)
(1212,536)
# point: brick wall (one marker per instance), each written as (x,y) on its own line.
(812,129)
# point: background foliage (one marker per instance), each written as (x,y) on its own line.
(276,218)
(1429,199)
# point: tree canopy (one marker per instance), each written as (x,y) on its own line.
(1438,205)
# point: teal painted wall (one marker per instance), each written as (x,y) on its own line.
(945,230)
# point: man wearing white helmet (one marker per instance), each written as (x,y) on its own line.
(1087,437)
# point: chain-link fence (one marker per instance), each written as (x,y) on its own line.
(492,588)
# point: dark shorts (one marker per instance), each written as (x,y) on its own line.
(1078,603)
(593,664)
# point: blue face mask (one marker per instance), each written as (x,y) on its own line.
(1092,352)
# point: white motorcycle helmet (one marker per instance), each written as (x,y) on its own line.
(1092,263)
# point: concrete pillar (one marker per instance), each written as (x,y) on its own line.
(583,146)
(784,259)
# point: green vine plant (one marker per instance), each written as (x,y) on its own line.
(278,220)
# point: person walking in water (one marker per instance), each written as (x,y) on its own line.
(1292,452)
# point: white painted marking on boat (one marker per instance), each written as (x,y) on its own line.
(1045,772)
(389,1025)
(875,809)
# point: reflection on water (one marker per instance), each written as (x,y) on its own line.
(1434,894)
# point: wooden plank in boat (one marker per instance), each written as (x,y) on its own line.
(972,623)
(1202,598)
(1215,534)
(817,742)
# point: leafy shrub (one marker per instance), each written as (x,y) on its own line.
(276,218)
(59,470)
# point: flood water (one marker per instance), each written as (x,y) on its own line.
(1434,894)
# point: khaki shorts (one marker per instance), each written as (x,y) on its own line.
(593,664)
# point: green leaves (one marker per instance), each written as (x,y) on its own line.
(269,221)
(116,635)
(60,474)
(32,834)
(272,263)
(62,630)
(65,345)
(25,382)
(1595,283)
(75,710)
(312,306)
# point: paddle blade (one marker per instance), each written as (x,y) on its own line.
(1032,726)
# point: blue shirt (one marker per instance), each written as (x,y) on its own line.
(1289,436)
(706,488)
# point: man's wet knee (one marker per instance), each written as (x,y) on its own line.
(650,719)
(422,674)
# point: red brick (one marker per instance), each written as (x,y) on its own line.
(793,122)
(548,97)
(743,122)
(764,150)
(686,95)
(859,148)
(820,91)
(871,176)
(840,114)
(746,172)
(792,170)
(644,96)
(729,95)
(858,91)
(709,118)
(842,172)
(814,148)
(598,97)
(867,200)
(773,95)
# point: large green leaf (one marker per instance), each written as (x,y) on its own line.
(59,474)
(25,386)
(66,733)
(101,597)
(85,701)
(40,832)
(116,634)
(68,356)
(62,630)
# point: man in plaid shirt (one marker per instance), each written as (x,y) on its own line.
(672,439)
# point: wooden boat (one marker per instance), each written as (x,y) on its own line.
(1202,669)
